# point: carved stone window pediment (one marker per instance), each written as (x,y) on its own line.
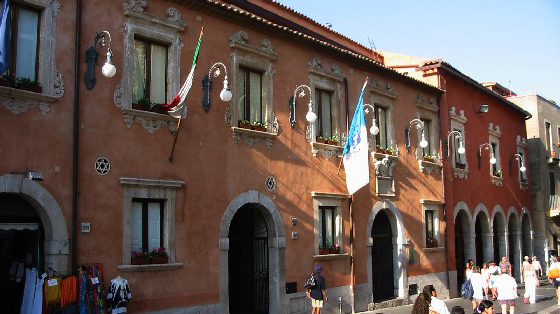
(20,101)
(429,167)
(252,137)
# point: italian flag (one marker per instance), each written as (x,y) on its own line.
(177,108)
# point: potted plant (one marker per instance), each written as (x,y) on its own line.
(259,126)
(431,242)
(324,250)
(460,165)
(142,104)
(379,149)
(157,108)
(28,85)
(333,140)
(159,256)
(498,173)
(390,151)
(245,124)
(321,139)
(429,158)
(140,258)
(7,80)
(335,249)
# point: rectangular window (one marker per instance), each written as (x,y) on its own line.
(522,174)
(327,221)
(552,180)
(150,71)
(250,88)
(24,40)
(548,137)
(147,224)
(427,135)
(460,159)
(324,112)
(495,167)
(382,137)
(429,222)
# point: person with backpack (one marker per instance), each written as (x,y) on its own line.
(316,287)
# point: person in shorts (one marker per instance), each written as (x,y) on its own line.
(494,271)
(318,293)
(555,265)
(477,281)
(506,288)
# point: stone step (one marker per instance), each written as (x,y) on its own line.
(386,304)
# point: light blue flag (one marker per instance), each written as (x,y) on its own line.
(356,154)
(5,37)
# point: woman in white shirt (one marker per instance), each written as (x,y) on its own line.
(531,282)
(537,266)
(485,272)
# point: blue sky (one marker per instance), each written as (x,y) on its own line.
(515,43)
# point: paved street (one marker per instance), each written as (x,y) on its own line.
(546,303)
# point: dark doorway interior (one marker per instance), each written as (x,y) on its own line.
(248,262)
(496,241)
(460,261)
(478,242)
(382,258)
(512,226)
(21,246)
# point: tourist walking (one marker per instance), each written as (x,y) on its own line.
(506,263)
(494,271)
(506,288)
(436,304)
(318,293)
(485,272)
(530,280)
(537,266)
(477,282)
(555,267)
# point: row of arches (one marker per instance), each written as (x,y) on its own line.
(485,236)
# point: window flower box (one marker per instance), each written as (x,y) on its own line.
(139,260)
(431,243)
(321,140)
(28,85)
(6,83)
(429,158)
(332,142)
(245,124)
(460,166)
(159,260)
(259,128)
(324,251)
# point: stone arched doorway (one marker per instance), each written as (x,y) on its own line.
(464,242)
(483,237)
(526,235)
(388,213)
(262,210)
(499,232)
(33,231)
(514,243)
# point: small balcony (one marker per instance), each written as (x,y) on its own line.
(552,157)
(554,205)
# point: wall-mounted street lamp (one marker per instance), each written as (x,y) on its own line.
(225,94)
(488,146)
(108,69)
(419,125)
(458,135)
(519,158)
(310,116)
(374,130)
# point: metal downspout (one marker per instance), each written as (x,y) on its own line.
(75,138)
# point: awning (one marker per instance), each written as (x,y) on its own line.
(19,226)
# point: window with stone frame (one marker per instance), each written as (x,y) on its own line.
(427,112)
(328,220)
(324,113)
(24,40)
(249,85)
(150,71)
(252,72)
(495,167)
(33,55)
(428,130)
(431,222)
(382,138)
(460,159)
(149,217)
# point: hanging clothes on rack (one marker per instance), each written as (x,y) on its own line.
(119,295)
(91,292)
(29,291)
(68,291)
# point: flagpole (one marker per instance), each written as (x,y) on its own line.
(175,140)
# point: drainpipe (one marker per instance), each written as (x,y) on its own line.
(75,139)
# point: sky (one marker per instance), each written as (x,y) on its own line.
(515,43)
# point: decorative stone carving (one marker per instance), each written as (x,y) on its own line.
(459,117)
(56,6)
(251,137)
(149,120)
(521,141)
(117,96)
(59,85)
(175,16)
(433,101)
(460,173)
(326,150)
(429,167)
(373,82)
(227,115)
(419,98)
(239,37)
(389,86)
(266,45)
(384,167)
(19,106)
(497,181)
(335,69)
(275,127)
(135,5)
(315,63)
(494,131)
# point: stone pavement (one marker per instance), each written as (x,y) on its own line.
(546,303)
